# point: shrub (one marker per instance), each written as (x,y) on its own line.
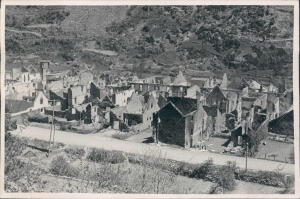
(226,176)
(9,123)
(13,146)
(60,166)
(270,178)
(205,170)
(223,176)
(14,169)
(100,155)
(75,153)
(184,169)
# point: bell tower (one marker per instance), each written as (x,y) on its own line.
(44,68)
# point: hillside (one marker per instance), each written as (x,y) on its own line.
(216,38)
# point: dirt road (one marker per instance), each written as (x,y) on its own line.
(191,156)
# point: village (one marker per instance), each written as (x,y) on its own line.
(149,99)
(208,113)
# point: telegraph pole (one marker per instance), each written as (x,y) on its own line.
(246,155)
(158,124)
(50,139)
(53,120)
(52,128)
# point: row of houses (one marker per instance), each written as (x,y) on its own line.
(189,121)
(180,110)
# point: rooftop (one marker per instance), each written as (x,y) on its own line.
(15,106)
(184,105)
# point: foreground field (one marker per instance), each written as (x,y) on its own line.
(67,168)
(99,141)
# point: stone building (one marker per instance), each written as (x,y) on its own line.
(173,123)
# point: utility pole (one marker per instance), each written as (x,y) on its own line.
(158,123)
(80,116)
(246,155)
(53,120)
(52,128)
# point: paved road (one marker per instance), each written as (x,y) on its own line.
(191,156)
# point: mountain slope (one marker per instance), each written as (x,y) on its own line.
(217,38)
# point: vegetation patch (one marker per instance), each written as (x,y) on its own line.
(16,170)
(100,155)
(75,153)
(60,166)
(270,178)
(222,175)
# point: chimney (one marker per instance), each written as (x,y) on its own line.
(198,99)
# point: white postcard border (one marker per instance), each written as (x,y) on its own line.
(294,3)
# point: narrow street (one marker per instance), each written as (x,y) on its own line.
(191,156)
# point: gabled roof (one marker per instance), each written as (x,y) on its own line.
(104,102)
(161,101)
(24,70)
(105,98)
(180,80)
(184,105)
(283,124)
(216,92)
(136,103)
(16,106)
(152,101)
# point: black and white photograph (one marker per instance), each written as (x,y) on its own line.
(150,99)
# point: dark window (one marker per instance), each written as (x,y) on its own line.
(41,101)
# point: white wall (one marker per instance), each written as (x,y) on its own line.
(121,97)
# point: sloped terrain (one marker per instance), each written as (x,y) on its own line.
(216,38)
